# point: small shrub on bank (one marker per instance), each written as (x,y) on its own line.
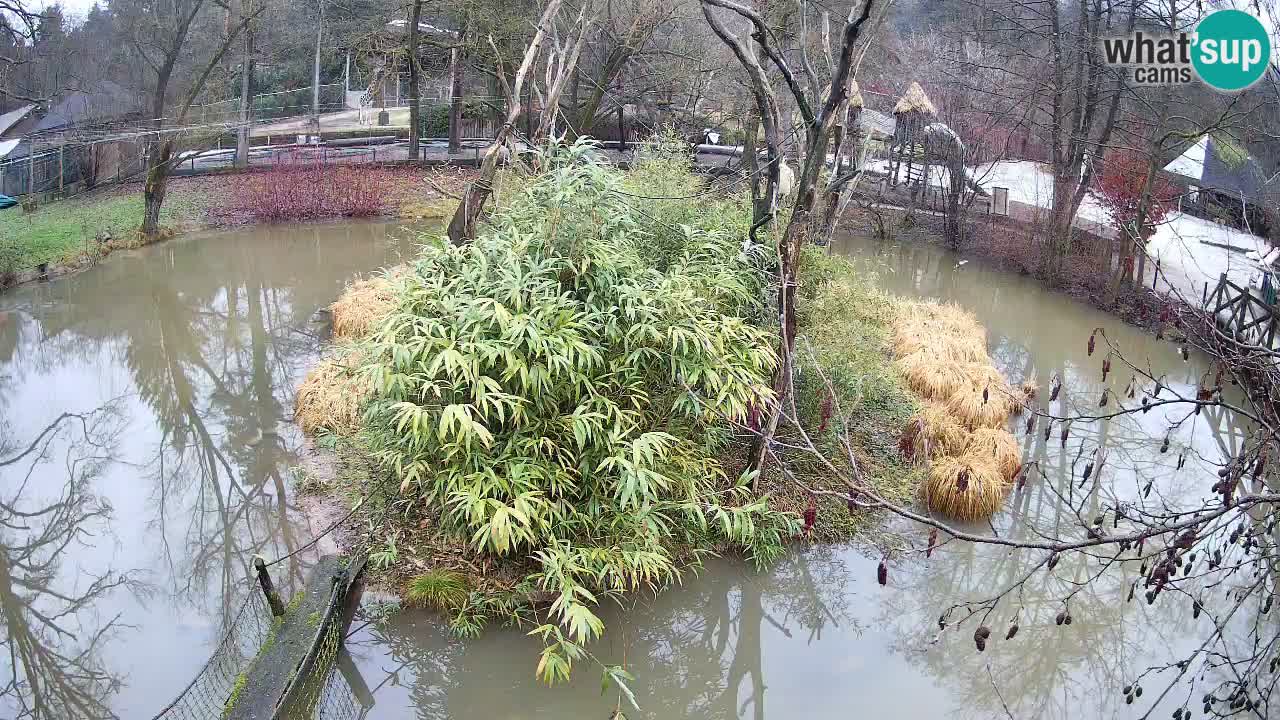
(291,193)
(10,261)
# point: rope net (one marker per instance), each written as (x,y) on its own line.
(206,697)
(327,685)
(326,693)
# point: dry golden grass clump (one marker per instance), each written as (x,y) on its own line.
(331,395)
(364,304)
(942,355)
(936,426)
(966,488)
(942,331)
(984,406)
(931,378)
(997,447)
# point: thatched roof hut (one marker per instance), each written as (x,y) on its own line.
(912,113)
(915,101)
(855,93)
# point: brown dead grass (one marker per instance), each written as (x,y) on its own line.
(930,377)
(942,330)
(332,394)
(945,436)
(364,304)
(997,447)
(966,488)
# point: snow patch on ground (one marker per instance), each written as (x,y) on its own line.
(1181,243)
(1187,262)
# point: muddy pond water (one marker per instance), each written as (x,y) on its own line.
(147,454)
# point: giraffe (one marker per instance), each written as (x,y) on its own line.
(373,96)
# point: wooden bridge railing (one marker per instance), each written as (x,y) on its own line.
(1249,317)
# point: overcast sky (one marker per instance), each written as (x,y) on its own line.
(71,8)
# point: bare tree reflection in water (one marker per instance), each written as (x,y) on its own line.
(209,338)
(49,665)
(696,651)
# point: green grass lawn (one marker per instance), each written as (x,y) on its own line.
(62,231)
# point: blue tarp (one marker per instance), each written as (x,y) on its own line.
(7,202)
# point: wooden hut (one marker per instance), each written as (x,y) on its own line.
(912,114)
(855,139)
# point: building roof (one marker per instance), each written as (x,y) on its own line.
(1215,165)
(876,124)
(1190,164)
(105,101)
(7,146)
(1243,178)
(13,117)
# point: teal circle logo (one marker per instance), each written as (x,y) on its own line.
(1231,50)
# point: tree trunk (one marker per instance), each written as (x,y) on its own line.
(455,97)
(153,190)
(1057,243)
(749,163)
(954,210)
(1142,262)
(573,129)
(414,85)
(246,94)
(462,227)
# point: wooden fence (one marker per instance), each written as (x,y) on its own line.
(1242,313)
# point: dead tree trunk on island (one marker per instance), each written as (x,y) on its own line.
(462,227)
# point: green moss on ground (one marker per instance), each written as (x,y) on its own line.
(843,343)
(67,230)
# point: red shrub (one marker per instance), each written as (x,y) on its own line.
(1119,190)
(291,192)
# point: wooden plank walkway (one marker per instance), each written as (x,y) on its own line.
(282,682)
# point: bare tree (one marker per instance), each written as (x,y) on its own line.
(462,227)
(561,64)
(1079,99)
(821,109)
(19,25)
(165,39)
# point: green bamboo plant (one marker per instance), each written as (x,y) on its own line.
(556,389)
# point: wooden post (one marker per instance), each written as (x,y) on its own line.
(61,168)
(622,128)
(528,114)
(268,587)
(31,168)
(455,96)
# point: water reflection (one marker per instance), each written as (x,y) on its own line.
(816,637)
(51,635)
(698,651)
(198,345)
